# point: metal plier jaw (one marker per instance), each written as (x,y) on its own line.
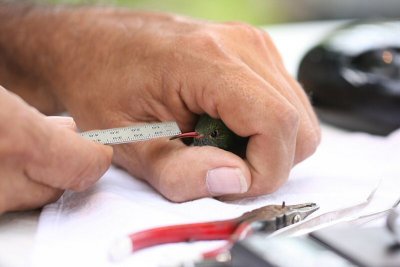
(273,217)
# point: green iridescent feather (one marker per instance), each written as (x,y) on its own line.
(215,133)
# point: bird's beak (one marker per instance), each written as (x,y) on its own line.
(187,135)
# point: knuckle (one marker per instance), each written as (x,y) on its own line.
(270,46)
(288,116)
(314,139)
(255,35)
(201,40)
(308,143)
(267,37)
(241,27)
(268,41)
(207,42)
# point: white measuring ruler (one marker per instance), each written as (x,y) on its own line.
(133,133)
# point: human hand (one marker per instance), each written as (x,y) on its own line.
(41,156)
(129,67)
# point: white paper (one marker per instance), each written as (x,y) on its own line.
(79,229)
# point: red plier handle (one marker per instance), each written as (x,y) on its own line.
(219,230)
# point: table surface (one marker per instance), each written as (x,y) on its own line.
(17,230)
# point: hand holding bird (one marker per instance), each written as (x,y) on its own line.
(113,67)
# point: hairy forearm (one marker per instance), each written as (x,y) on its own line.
(44,50)
(26,38)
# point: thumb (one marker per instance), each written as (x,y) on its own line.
(65,160)
(182,173)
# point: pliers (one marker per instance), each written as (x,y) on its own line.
(265,219)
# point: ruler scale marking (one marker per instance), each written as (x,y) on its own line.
(133,133)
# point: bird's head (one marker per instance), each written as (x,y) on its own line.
(213,132)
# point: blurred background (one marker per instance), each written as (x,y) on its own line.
(259,12)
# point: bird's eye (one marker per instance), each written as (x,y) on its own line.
(214,133)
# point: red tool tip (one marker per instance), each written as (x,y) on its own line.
(187,135)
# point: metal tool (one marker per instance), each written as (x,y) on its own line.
(328,217)
(370,217)
(345,244)
(265,219)
(393,223)
(133,133)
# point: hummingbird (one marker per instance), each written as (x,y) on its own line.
(213,132)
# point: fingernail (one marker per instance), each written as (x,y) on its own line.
(63,121)
(226,180)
